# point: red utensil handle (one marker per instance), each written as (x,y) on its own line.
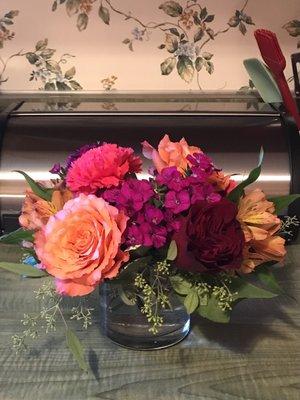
(288,99)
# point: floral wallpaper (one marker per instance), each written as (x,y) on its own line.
(137,45)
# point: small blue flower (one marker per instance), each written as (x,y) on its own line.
(30,260)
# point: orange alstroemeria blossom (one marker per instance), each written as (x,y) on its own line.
(36,211)
(259,224)
(258,252)
(170,154)
(80,245)
(222,182)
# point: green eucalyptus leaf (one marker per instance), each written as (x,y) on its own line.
(23,269)
(76,349)
(180,285)
(191,302)
(40,191)
(245,290)
(237,192)
(213,312)
(127,297)
(266,276)
(283,202)
(17,236)
(172,251)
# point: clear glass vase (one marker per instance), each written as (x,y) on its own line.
(125,325)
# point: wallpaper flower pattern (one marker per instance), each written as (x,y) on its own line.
(182,44)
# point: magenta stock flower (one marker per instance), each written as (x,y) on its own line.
(153,215)
(55,169)
(201,167)
(177,202)
(131,196)
(171,178)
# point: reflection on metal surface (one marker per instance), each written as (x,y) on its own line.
(36,175)
(265,178)
(11,196)
(33,143)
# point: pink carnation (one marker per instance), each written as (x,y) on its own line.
(102,167)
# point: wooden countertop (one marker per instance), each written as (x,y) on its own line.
(255,357)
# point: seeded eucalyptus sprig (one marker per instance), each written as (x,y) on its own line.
(213,296)
(154,294)
(46,320)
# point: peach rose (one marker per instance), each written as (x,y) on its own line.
(169,154)
(80,245)
(36,211)
(259,224)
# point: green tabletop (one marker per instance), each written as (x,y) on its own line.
(255,357)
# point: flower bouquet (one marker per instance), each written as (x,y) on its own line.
(187,232)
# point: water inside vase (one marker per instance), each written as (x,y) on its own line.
(127,326)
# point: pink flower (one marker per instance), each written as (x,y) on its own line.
(102,167)
(170,154)
(177,201)
(80,245)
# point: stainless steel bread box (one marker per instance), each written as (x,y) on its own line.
(38,131)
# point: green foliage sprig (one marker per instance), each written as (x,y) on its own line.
(154,294)
(46,321)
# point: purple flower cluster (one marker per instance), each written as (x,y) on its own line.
(60,170)
(155,206)
(149,225)
(182,191)
(78,153)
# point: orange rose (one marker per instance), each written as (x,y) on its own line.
(259,224)
(170,154)
(80,245)
(36,211)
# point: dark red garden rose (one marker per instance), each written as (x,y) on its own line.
(210,238)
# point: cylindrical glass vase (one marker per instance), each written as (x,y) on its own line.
(125,324)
